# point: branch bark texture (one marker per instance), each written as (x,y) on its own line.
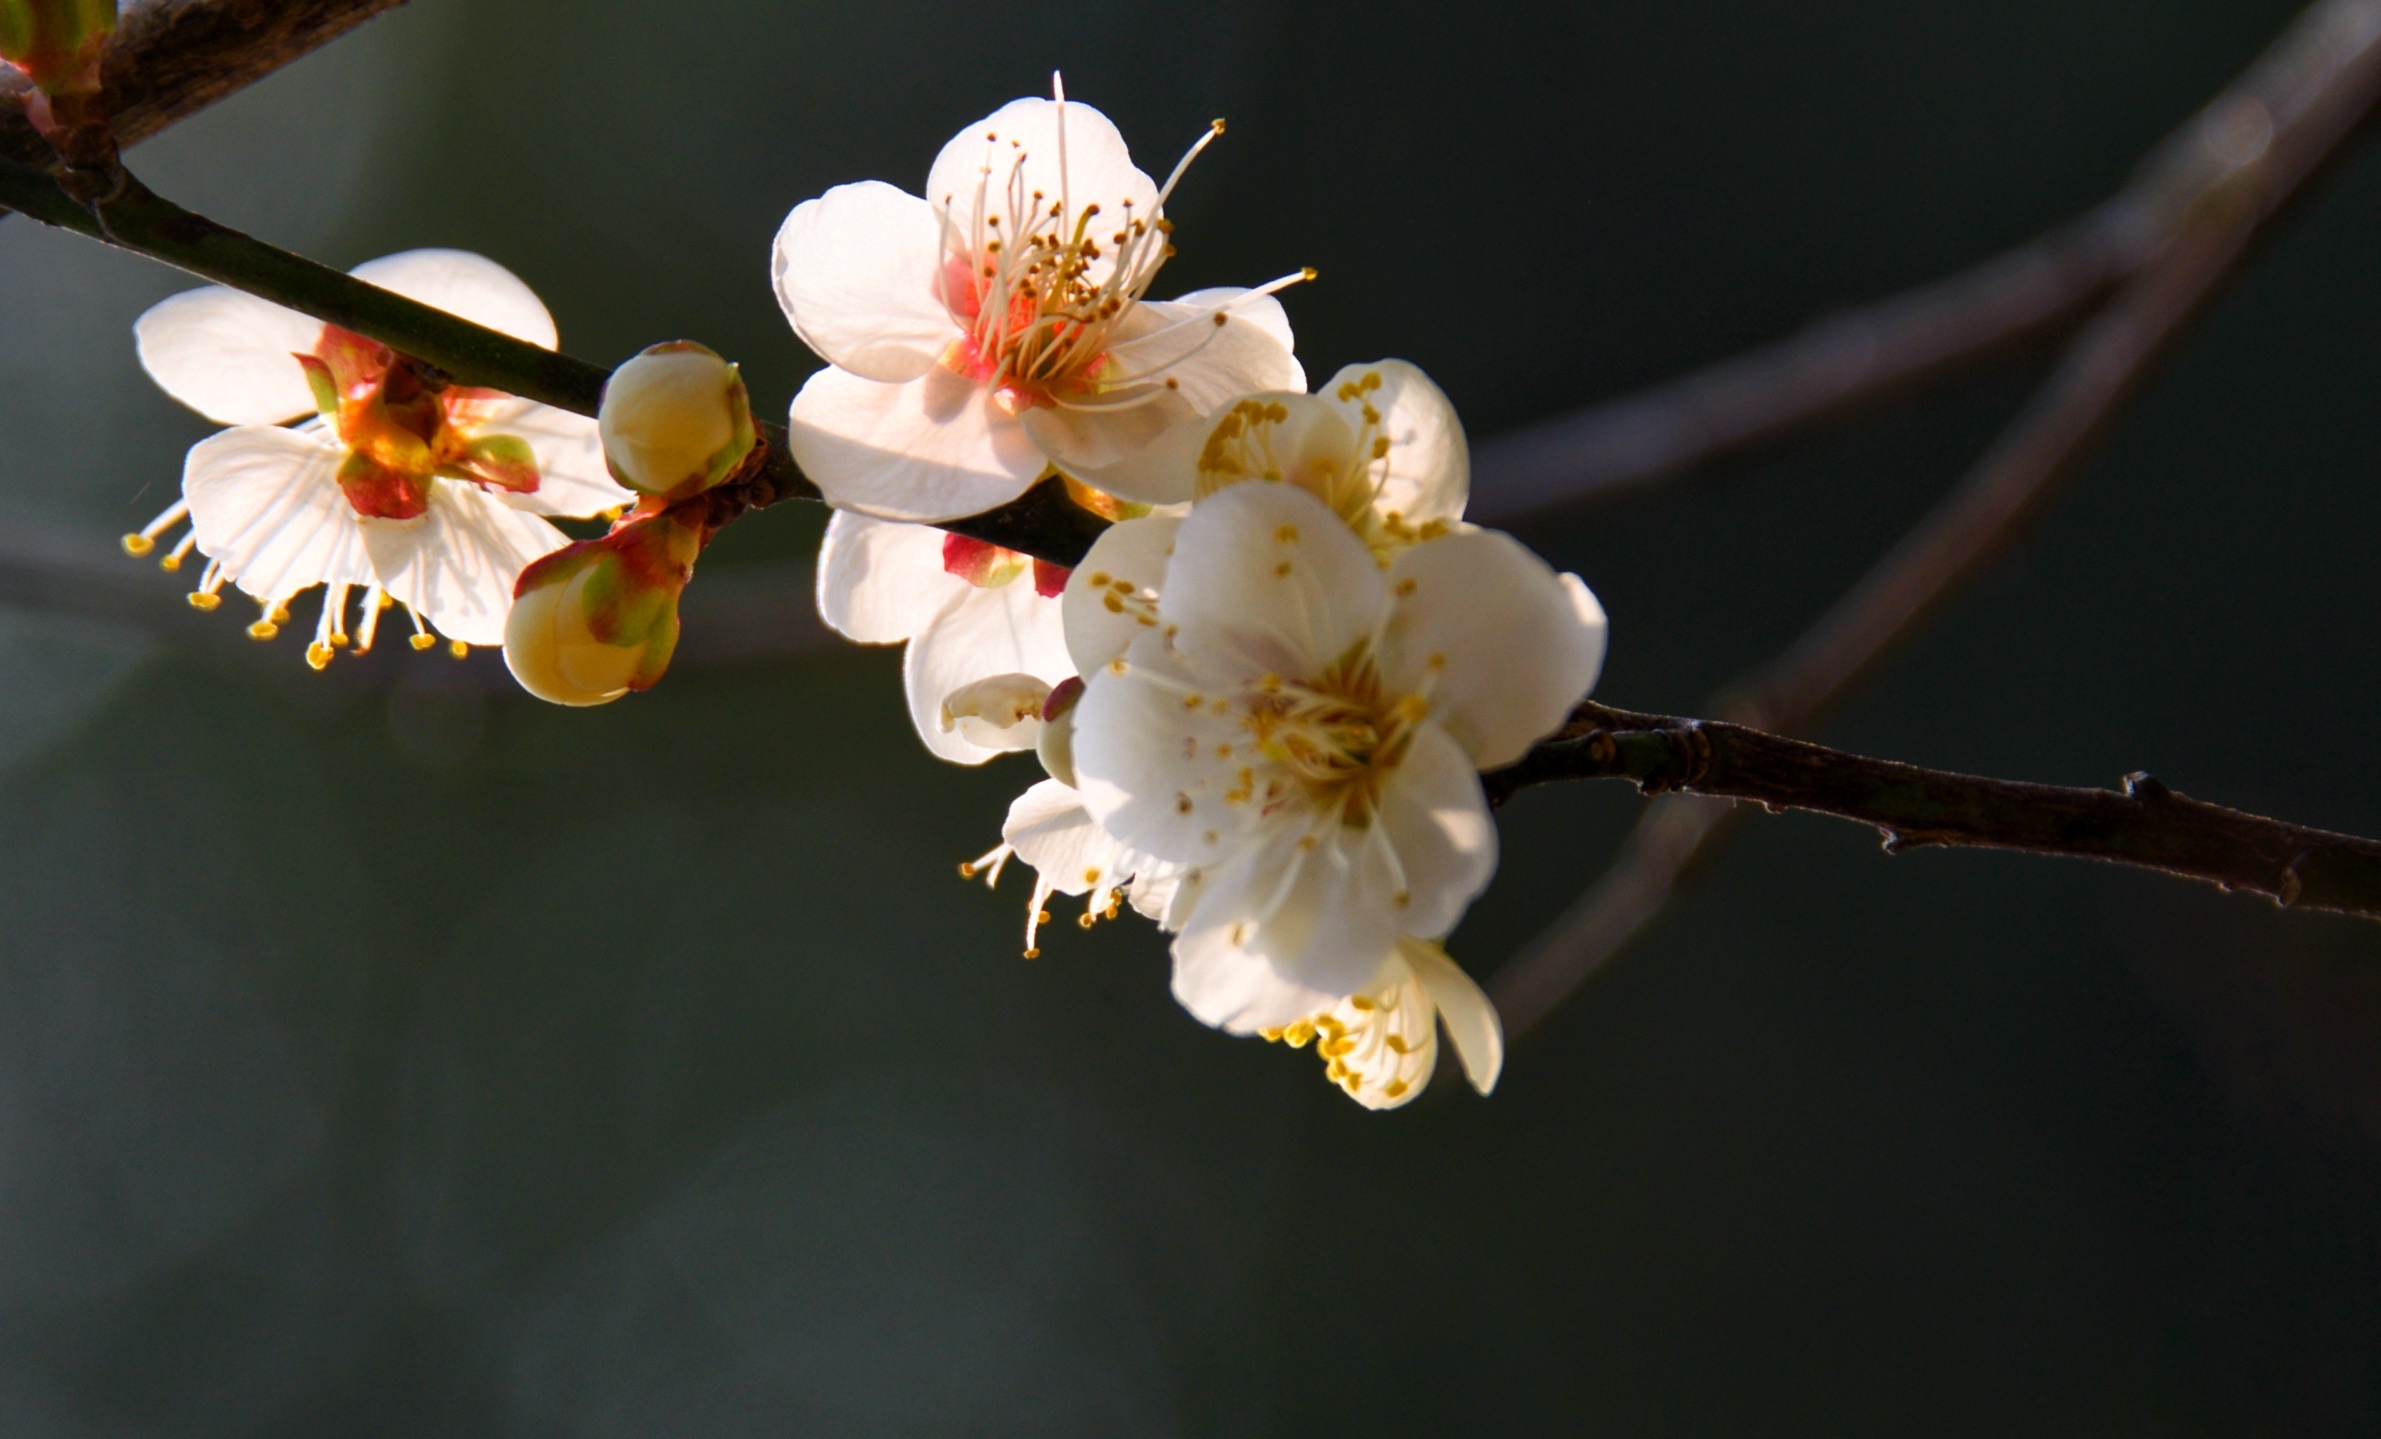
(170,59)
(2145,825)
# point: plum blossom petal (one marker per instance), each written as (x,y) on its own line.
(937,448)
(978,634)
(1471,1020)
(1265,579)
(228,355)
(1154,768)
(1112,596)
(457,563)
(1434,822)
(1017,153)
(881,582)
(1050,830)
(471,286)
(1168,363)
(265,506)
(1502,645)
(859,273)
(1426,475)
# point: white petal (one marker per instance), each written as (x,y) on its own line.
(1158,885)
(457,562)
(1210,363)
(1089,443)
(977,634)
(228,355)
(1430,468)
(1237,990)
(1164,471)
(1280,931)
(265,503)
(936,448)
(1472,1021)
(1021,140)
(461,283)
(1435,820)
(1265,579)
(1112,596)
(880,582)
(1501,645)
(1051,831)
(859,272)
(571,478)
(1263,311)
(1155,759)
(1171,363)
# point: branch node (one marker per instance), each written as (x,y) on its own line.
(2146,788)
(2291,886)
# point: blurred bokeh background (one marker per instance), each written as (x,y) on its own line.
(383,1053)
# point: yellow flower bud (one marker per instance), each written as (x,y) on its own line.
(596,619)
(675,421)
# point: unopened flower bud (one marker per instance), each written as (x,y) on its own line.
(57,42)
(675,421)
(596,619)
(995,712)
(1055,745)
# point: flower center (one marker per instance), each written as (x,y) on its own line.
(405,427)
(1337,737)
(1304,441)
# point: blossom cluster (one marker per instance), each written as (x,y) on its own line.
(1265,697)
(1263,700)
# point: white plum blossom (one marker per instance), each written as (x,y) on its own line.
(983,625)
(1050,830)
(997,326)
(1380,1044)
(414,491)
(1299,726)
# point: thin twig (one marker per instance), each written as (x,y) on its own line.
(1851,362)
(170,59)
(2146,825)
(2289,118)
(1042,522)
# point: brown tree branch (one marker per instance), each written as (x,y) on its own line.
(1851,362)
(2147,825)
(2291,116)
(170,59)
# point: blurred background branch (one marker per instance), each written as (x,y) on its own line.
(2259,144)
(1849,363)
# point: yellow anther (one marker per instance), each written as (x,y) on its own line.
(138,545)
(1360,1002)
(1033,954)
(318,655)
(1395,1087)
(423,641)
(170,563)
(204,600)
(1099,579)
(966,870)
(1115,605)
(457,648)
(1182,804)
(1287,535)
(1041,916)
(1282,570)
(1309,274)
(280,615)
(263,630)
(1085,919)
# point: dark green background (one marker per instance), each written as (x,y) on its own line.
(385,1053)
